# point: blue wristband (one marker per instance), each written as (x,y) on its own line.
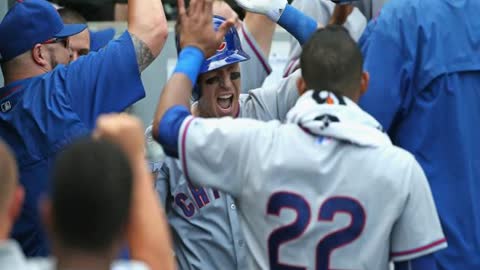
(298,24)
(189,63)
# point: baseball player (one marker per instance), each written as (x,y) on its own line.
(205,222)
(326,190)
(322,11)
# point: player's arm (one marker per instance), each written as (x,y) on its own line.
(426,262)
(198,39)
(390,64)
(147,232)
(291,19)
(262,29)
(147,25)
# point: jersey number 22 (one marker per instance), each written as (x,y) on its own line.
(294,230)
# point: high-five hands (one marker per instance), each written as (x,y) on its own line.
(271,8)
(196,26)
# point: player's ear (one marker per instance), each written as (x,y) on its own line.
(46,215)
(301,86)
(40,55)
(17,203)
(364,82)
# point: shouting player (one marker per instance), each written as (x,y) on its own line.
(205,222)
(326,190)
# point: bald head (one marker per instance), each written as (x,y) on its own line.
(8,176)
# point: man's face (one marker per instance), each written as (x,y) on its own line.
(59,51)
(80,44)
(220,92)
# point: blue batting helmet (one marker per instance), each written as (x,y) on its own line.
(229,52)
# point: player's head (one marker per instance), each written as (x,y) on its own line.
(79,43)
(218,87)
(90,198)
(11,194)
(331,60)
(37,39)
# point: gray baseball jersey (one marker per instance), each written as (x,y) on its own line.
(310,202)
(204,221)
(255,70)
(322,10)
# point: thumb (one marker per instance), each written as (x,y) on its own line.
(223,29)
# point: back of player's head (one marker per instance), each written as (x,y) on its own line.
(91,194)
(71,16)
(331,60)
(8,177)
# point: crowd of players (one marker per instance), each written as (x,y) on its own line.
(365,156)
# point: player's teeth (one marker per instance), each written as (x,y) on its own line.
(224,103)
(225,96)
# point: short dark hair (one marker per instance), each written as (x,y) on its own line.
(71,16)
(91,195)
(331,60)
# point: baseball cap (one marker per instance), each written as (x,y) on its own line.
(100,39)
(30,22)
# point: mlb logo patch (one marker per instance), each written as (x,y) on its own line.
(222,47)
(6,106)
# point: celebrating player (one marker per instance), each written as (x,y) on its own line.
(307,189)
(205,222)
(46,103)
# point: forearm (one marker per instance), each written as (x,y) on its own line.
(262,29)
(178,89)
(147,21)
(148,233)
(298,24)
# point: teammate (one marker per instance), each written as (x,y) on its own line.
(45,103)
(99,173)
(425,91)
(322,11)
(205,222)
(306,189)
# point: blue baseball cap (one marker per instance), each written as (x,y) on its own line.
(100,39)
(30,22)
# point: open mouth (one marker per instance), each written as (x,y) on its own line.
(225,102)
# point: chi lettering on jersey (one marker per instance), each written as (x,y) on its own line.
(198,198)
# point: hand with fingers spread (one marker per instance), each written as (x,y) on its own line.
(196,28)
(271,8)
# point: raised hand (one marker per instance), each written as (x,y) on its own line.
(123,130)
(196,27)
(271,8)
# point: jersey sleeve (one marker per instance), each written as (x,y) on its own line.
(162,179)
(273,103)
(220,153)
(417,232)
(256,70)
(105,81)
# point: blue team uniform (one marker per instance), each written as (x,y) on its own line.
(423,57)
(39,116)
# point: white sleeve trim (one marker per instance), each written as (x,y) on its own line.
(406,255)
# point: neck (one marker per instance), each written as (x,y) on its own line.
(10,78)
(74,259)
(5,227)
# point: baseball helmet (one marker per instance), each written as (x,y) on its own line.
(229,52)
